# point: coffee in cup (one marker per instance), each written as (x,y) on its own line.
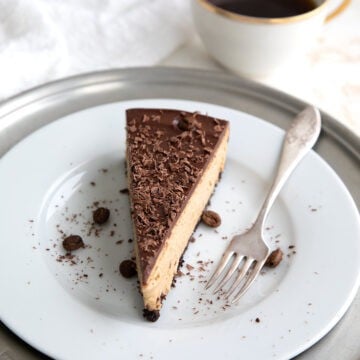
(257,37)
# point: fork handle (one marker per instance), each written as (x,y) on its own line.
(299,139)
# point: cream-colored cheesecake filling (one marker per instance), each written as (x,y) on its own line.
(166,265)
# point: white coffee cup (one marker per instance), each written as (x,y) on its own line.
(256,47)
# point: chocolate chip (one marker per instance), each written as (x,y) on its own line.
(151,315)
(101,215)
(211,218)
(274,258)
(128,269)
(73,242)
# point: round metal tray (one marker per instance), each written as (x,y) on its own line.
(23,114)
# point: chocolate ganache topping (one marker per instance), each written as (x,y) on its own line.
(167,152)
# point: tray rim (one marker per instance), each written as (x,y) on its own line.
(342,135)
(340,132)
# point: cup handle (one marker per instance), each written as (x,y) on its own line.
(344,4)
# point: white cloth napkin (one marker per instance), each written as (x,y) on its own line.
(41,40)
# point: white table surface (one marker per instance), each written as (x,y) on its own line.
(328,78)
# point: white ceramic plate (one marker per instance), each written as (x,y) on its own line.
(82,308)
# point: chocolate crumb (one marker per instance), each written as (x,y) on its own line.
(211,218)
(189,267)
(92,183)
(127,269)
(124,191)
(101,215)
(130,240)
(73,242)
(274,258)
(151,315)
(257,320)
(101,275)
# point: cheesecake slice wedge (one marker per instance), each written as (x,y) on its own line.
(174,160)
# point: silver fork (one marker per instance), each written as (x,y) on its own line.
(248,251)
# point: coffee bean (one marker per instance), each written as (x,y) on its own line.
(211,218)
(101,215)
(128,269)
(73,242)
(186,123)
(274,258)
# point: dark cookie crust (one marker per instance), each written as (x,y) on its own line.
(151,315)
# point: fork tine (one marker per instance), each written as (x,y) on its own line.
(249,281)
(230,272)
(224,260)
(240,276)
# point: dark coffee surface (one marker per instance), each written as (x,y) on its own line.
(266,8)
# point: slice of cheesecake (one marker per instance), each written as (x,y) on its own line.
(174,160)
